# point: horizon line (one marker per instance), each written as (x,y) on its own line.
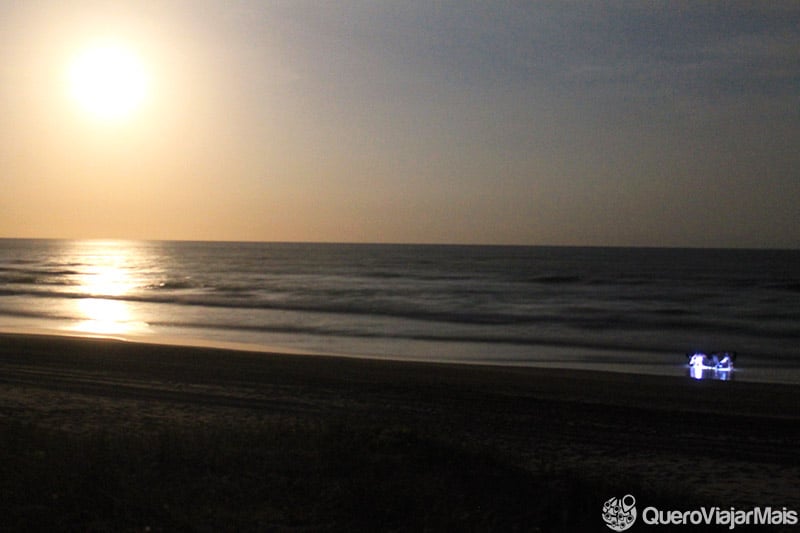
(406,243)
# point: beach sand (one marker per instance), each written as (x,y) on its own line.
(685,441)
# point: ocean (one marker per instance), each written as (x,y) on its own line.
(620,309)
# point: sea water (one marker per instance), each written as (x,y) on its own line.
(622,309)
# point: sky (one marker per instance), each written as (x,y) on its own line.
(659,123)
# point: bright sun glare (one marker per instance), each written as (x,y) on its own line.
(108,81)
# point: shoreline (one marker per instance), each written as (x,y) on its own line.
(669,392)
(562,358)
(726,443)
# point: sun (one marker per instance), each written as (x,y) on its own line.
(108,81)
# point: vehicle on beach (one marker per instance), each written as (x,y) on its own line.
(717,365)
(713,361)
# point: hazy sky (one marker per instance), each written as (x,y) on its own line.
(600,123)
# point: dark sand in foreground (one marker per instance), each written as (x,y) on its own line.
(725,443)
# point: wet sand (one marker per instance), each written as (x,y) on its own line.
(729,443)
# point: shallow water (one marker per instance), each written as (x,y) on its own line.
(636,310)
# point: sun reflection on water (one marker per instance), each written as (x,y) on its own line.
(105,317)
(109,276)
(107,281)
